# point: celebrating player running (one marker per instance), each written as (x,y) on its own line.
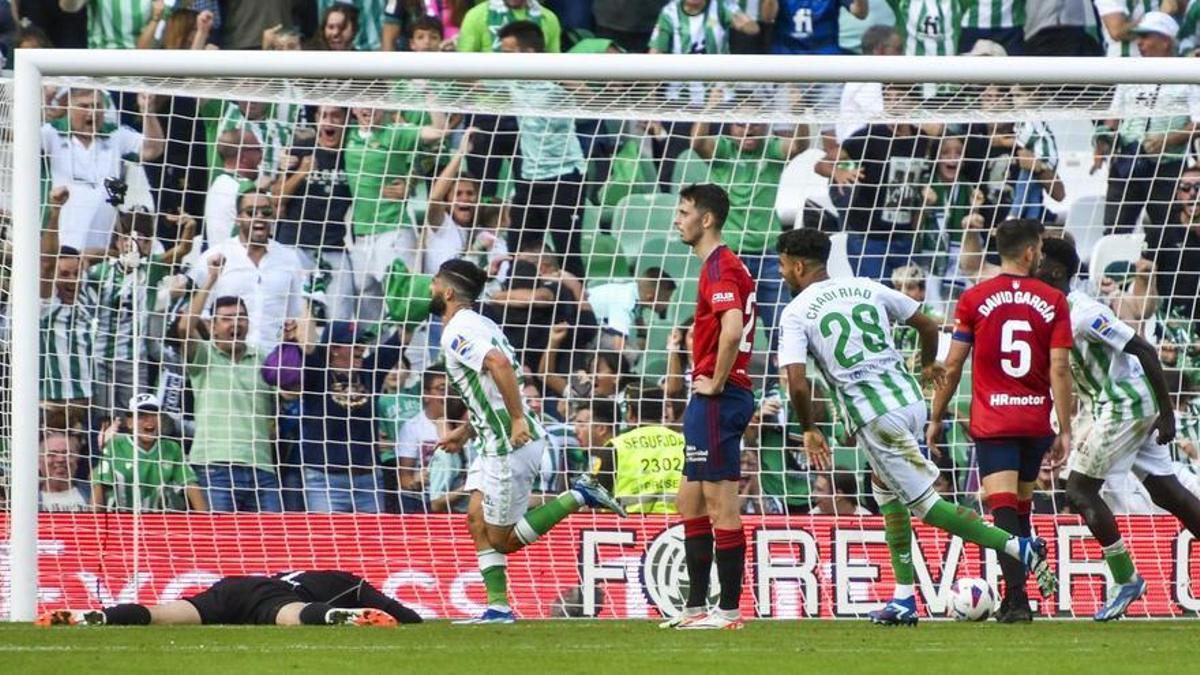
(845,326)
(717,414)
(1119,374)
(479,363)
(1020,330)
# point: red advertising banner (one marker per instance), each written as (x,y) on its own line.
(796,566)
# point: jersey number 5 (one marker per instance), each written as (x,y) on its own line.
(1018,357)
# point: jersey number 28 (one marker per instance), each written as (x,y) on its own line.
(1017,355)
(865,318)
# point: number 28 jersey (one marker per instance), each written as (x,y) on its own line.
(846,325)
(1013,323)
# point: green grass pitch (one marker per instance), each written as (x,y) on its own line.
(624,647)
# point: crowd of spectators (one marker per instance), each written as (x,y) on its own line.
(235,292)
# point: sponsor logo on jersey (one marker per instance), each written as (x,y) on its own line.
(723,296)
(460,346)
(1102,326)
(1000,400)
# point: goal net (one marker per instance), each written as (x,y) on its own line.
(239,370)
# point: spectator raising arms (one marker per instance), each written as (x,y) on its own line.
(316,197)
(266,275)
(85,151)
(233,409)
(379,157)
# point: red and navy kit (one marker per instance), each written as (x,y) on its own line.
(1012,322)
(713,425)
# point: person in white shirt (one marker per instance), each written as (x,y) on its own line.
(617,304)
(453,224)
(84,151)
(862,101)
(1119,18)
(266,275)
(240,154)
(58,492)
(417,439)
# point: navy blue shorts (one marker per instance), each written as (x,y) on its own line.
(1023,455)
(712,433)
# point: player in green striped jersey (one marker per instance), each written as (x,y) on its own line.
(112,284)
(844,325)
(929,27)
(1119,373)
(482,368)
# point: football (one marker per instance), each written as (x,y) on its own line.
(971,600)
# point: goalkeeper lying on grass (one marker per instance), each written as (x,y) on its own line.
(318,598)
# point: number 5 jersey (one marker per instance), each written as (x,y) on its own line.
(846,324)
(1012,322)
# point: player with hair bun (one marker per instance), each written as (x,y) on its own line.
(480,364)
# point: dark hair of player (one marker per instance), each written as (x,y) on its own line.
(1061,252)
(708,198)
(528,35)
(467,279)
(1015,235)
(805,244)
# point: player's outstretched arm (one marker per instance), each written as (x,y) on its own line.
(498,366)
(1064,403)
(800,394)
(959,351)
(1147,355)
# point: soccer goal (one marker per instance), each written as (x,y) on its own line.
(219,356)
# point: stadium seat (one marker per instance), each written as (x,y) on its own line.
(632,172)
(1085,222)
(671,255)
(641,216)
(1113,248)
(690,168)
(603,257)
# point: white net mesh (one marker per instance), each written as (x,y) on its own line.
(303,374)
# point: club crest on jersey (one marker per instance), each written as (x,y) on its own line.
(1102,326)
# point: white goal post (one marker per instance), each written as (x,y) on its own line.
(33,68)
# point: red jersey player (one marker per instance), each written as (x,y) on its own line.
(1020,330)
(717,414)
